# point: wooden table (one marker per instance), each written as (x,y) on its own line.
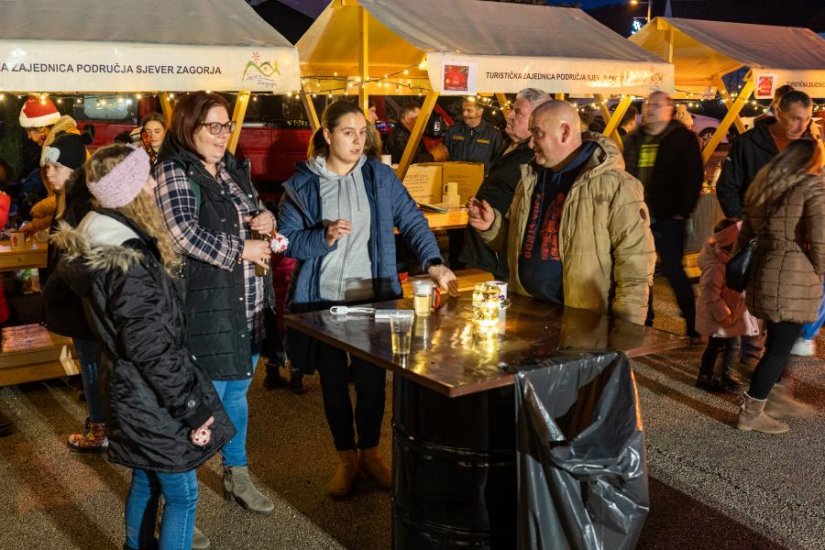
(35,256)
(454,481)
(30,352)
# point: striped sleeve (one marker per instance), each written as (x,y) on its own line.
(180,210)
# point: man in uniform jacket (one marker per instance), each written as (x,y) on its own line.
(473,139)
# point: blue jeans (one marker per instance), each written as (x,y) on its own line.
(233,397)
(810,330)
(180,493)
(88,354)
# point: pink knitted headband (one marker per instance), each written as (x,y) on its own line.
(120,186)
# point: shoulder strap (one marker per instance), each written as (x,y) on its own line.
(775,208)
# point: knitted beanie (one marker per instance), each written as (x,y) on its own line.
(37,113)
(66,149)
(123,183)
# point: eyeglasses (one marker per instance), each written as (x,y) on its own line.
(215,128)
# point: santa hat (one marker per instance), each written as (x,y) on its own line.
(37,113)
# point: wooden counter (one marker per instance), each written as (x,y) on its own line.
(33,257)
(456,218)
(30,353)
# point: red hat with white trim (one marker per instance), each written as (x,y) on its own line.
(37,113)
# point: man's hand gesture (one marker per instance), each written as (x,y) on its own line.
(481,214)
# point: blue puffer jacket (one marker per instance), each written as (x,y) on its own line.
(391,206)
(300,221)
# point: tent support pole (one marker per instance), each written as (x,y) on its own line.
(417,132)
(238,114)
(613,124)
(363,60)
(309,107)
(502,102)
(166,107)
(614,135)
(723,91)
(558,97)
(736,108)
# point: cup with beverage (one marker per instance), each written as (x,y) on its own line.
(401,324)
(426,296)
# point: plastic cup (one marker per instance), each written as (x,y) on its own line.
(401,324)
(423,297)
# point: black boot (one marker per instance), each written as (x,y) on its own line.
(296,382)
(6,425)
(730,382)
(273,378)
(710,382)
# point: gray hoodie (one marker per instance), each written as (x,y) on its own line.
(346,272)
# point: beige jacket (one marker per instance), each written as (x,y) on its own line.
(604,236)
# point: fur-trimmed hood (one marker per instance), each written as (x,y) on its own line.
(95,246)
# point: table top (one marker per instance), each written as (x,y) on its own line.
(455,218)
(451,356)
(35,255)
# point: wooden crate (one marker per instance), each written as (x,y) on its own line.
(31,353)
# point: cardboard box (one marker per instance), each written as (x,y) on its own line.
(425,181)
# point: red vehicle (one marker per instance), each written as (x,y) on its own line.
(274,137)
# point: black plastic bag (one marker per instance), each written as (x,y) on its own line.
(582,474)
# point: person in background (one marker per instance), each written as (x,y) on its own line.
(576,181)
(630,121)
(785,209)
(665,157)
(721,314)
(397,140)
(43,123)
(150,133)
(793,112)
(63,311)
(164,417)
(683,116)
(473,139)
(501,182)
(339,213)
(216,220)
(6,425)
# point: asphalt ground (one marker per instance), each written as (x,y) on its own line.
(711,486)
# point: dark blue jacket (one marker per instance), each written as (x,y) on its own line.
(391,206)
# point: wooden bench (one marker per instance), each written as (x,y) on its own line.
(30,353)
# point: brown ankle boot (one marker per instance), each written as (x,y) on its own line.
(345,474)
(371,463)
(752,417)
(92,440)
(781,403)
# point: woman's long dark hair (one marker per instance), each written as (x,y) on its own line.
(190,111)
(330,120)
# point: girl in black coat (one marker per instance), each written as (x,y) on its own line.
(164,418)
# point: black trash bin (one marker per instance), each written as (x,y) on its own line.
(582,473)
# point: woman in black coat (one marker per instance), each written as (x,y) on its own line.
(164,418)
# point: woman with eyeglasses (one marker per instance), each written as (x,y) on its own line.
(212,210)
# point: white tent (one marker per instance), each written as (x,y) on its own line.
(467,46)
(703,51)
(141,45)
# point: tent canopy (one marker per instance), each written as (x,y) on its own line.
(467,46)
(146,45)
(703,50)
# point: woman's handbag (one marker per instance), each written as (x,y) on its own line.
(738,268)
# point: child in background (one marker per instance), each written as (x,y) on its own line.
(720,312)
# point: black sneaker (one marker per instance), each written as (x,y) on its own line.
(710,383)
(6,425)
(296,383)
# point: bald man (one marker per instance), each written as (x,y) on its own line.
(577,231)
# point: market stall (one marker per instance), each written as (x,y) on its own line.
(465,47)
(702,52)
(105,46)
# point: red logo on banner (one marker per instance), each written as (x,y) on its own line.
(764,86)
(456,78)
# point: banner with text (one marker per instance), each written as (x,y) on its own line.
(38,66)
(768,80)
(553,75)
